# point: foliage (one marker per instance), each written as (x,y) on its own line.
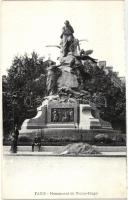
(101,85)
(25,86)
(23,89)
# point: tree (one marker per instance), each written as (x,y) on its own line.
(25,87)
(23,90)
(115,112)
(101,84)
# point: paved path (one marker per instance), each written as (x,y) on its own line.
(44,177)
(54,151)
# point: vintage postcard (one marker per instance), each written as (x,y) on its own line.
(63,67)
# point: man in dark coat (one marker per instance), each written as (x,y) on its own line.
(14,139)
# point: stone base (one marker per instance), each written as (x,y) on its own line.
(63,136)
(42,124)
(54,112)
(87,121)
(95,123)
(49,134)
(67,126)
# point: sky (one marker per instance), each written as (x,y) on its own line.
(28,26)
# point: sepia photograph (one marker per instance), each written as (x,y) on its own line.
(63,66)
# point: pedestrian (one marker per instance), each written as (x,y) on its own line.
(14,139)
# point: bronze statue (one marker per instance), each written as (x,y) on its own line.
(67,38)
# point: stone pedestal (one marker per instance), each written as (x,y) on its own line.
(37,122)
(87,121)
(55,115)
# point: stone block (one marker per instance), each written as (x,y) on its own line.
(67,79)
(87,121)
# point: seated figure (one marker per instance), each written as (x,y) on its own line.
(36,142)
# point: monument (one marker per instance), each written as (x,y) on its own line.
(66,110)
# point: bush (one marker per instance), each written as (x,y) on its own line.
(102,139)
(24,139)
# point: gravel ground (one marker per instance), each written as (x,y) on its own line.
(44,177)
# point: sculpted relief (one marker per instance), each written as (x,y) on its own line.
(62,115)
